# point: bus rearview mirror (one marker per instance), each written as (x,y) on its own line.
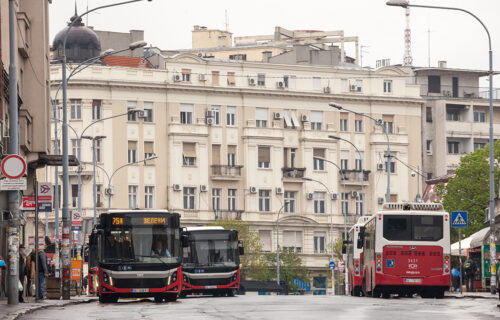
(185,240)
(241,250)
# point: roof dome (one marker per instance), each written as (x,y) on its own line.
(82,43)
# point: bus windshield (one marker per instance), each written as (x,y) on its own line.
(212,250)
(141,244)
(413,228)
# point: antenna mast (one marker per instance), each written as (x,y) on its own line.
(407,60)
(227,22)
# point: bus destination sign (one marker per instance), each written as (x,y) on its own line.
(138,221)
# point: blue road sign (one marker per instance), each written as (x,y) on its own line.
(459,219)
(332,265)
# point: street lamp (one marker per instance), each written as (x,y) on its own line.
(406,4)
(66,262)
(331,222)
(378,122)
(94,189)
(278,244)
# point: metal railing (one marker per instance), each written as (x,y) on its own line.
(293,173)
(226,171)
(354,175)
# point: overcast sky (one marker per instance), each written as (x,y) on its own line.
(454,36)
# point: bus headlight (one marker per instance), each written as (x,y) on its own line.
(233,279)
(174,277)
(107,279)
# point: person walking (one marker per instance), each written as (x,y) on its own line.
(43,272)
(30,272)
(470,269)
(455,280)
(22,267)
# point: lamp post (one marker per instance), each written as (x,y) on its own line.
(65,254)
(405,4)
(94,189)
(378,122)
(331,222)
(278,244)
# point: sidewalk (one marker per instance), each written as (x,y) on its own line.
(12,312)
(474,295)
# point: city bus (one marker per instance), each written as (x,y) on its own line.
(211,261)
(355,258)
(137,254)
(406,250)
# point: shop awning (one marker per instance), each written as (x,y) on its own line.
(473,241)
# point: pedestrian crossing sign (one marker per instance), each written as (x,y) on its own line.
(459,219)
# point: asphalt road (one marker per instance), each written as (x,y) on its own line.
(282,308)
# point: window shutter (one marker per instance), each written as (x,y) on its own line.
(288,238)
(264,154)
(316,116)
(216,154)
(148,147)
(231,149)
(189,149)
(132,145)
(388,118)
(261,114)
(319,153)
(298,239)
(187,107)
(265,240)
(344,115)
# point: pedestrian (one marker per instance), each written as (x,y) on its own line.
(470,269)
(21,272)
(43,272)
(455,280)
(2,268)
(30,262)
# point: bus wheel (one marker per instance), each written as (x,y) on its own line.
(231,293)
(104,298)
(425,294)
(439,294)
(171,297)
(158,299)
(386,295)
(182,294)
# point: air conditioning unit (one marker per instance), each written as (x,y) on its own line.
(380,166)
(252,81)
(309,196)
(140,114)
(203,188)
(353,87)
(202,77)
(334,196)
(380,200)
(278,116)
(109,191)
(280,84)
(210,121)
(354,194)
(326,90)
(429,152)
(253,189)
(279,190)
(304,118)
(210,114)
(176,187)
(177,77)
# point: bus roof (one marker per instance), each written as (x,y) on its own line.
(412,206)
(138,211)
(204,228)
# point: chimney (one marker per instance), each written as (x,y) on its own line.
(266,55)
(442,64)
(196,27)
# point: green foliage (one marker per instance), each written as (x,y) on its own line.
(290,268)
(468,190)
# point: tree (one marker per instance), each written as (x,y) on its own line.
(468,189)
(291,268)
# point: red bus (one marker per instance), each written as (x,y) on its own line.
(406,250)
(355,257)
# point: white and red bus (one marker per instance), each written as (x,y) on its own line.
(355,257)
(406,250)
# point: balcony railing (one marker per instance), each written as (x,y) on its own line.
(225,171)
(228,215)
(354,175)
(293,173)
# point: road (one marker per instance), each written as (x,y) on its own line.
(281,307)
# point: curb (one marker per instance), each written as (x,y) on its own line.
(472,297)
(37,308)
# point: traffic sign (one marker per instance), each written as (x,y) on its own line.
(331,265)
(76,221)
(13,166)
(45,192)
(459,219)
(28,203)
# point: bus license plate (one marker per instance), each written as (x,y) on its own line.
(413,280)
(140,290)
(210,287)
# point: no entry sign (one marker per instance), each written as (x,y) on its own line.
(13,166)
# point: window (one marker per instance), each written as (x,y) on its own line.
(289,157)
(359,160)
(428,145)
(316,120)
(76,108)
(215,78)
(292,241)
(479,116)
(452,114)
(216,193)
(318,164)
(148,149)
(453,147)
(319,242)
(131,105)
(360,209)
(290,197)
(358,125)
(216,112)
(286,81)
(428,114)
(242,57)
(132,197)
(148,197)
(231,116)
(413,228)
(388,123)
(98,195)
(231,79)
(186,113)
(264,157)
(132,151)
(292,82)
(387,86)
(316,83)
(344,121)
(434,84)
(231,156)
(319,202)
(188,197)
(188,154)
(359,85)
(261,117)
(261,79)
(74,195)
(148,112)
(479,145)
(186,75)
(264,200)
(392,165)
(98,150)
(344,160)
(96,110)
(74,147)
(344,85)
(265,240)
(345,202)
(231,199)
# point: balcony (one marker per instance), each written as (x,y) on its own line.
(228,215)
(225,172)
(293,174)
(354,177)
